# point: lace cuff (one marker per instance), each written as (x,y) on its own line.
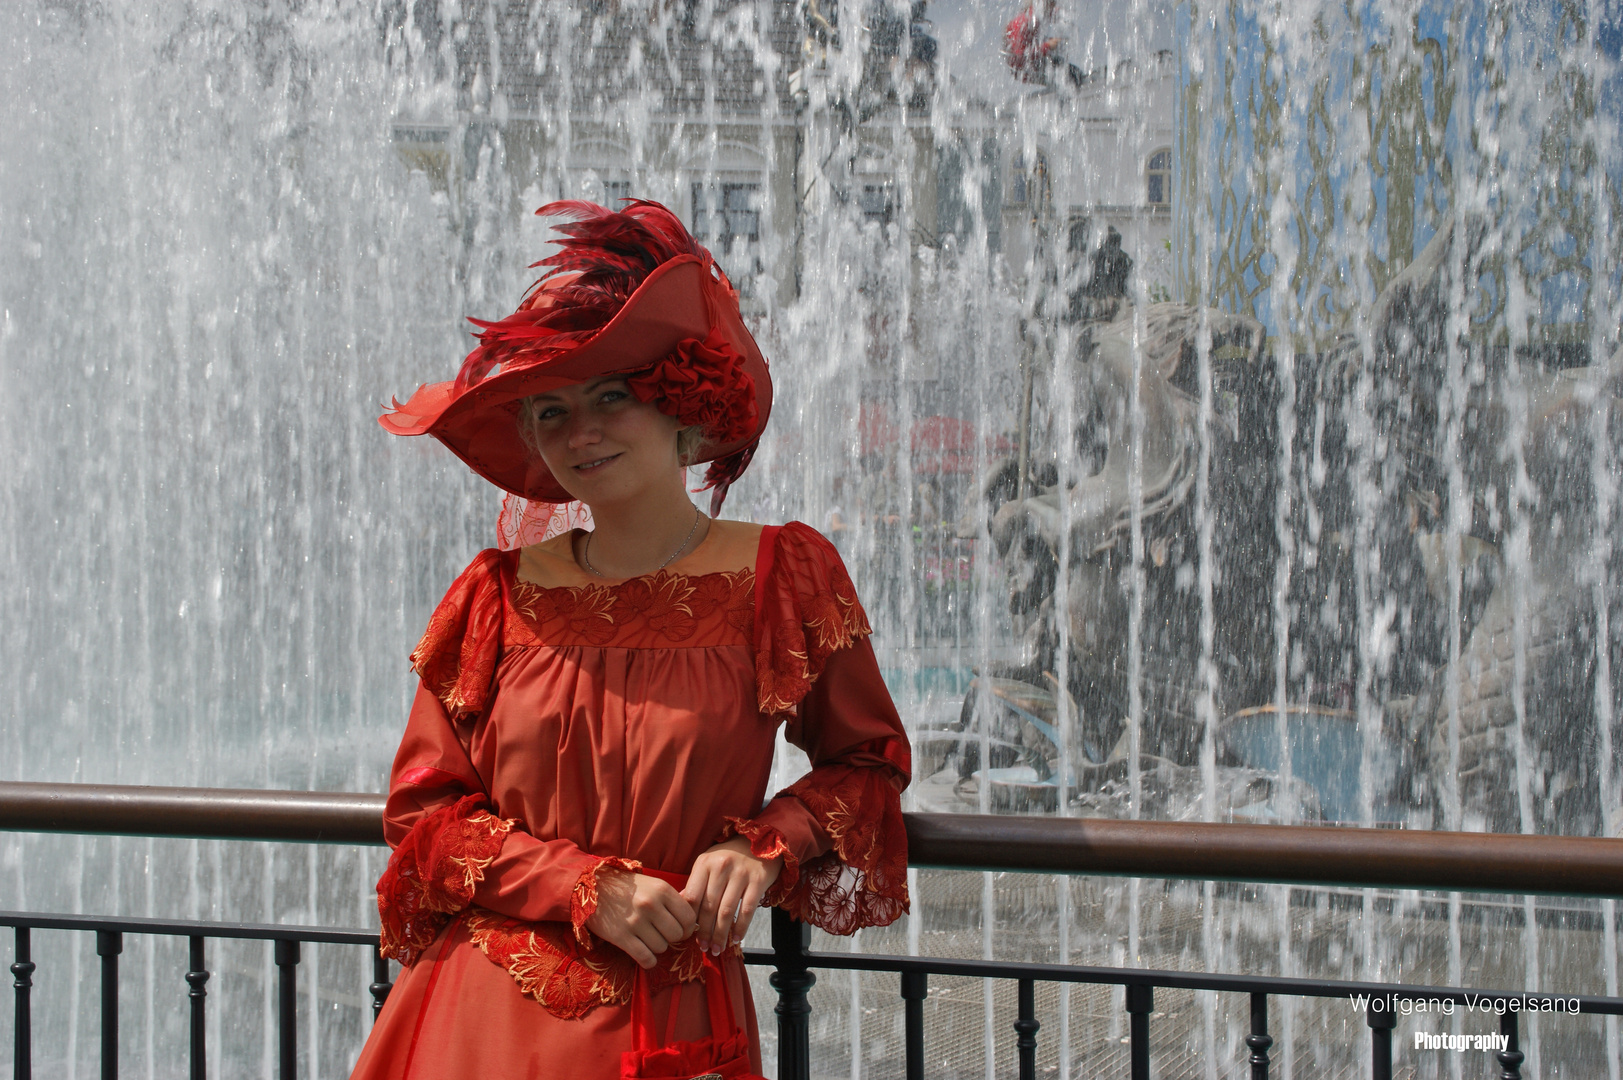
(566,978)
(767,843)
(862,880)
(433,873)
(583,903)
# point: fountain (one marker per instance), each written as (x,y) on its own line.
(1215,404)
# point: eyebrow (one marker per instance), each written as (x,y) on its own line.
(593,385)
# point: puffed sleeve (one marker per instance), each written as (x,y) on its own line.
(452,848)
(839,828)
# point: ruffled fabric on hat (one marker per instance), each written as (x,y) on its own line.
(702,384)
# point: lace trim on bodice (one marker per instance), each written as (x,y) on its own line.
(663,610)
(800,611)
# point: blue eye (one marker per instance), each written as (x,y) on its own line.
(610,396)
(549,413)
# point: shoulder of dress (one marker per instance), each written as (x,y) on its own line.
(457,653)
(488,563)
(807,609)
(478,584)
(804,561)
(804,544)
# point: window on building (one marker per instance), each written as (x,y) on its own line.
(1158,179)
(1029,183)
(877,203)
(727,219)
(727,212)
(1017,180)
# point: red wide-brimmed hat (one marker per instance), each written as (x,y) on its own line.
(677,337)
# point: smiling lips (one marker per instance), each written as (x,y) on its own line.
(591,466)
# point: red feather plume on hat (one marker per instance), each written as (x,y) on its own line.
(602,258)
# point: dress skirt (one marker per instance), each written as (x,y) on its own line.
(453,1015)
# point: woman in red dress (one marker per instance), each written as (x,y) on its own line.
(578,807)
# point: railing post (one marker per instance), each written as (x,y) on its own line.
(22,1042)
(1510,1058)
(1381,1021)
(1140,1002)
(109,943)
(1259,1040)
(287,1014)
(791,980)
(197,977)
(1025,1028)
(915,988)
(380,981)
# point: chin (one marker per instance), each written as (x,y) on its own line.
(606,490)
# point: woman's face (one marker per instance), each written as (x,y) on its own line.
(603,444)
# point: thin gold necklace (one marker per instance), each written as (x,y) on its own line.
(586,551)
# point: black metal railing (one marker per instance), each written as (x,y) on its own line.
(110,945)
(1308,855)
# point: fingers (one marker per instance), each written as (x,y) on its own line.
(698,881)
(664,916)
(746,911)
(648,922)
(727,912)
(652,942)
(678,907)
(715,888)
(736,908)
(626,940)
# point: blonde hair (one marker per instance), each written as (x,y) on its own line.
(689,440)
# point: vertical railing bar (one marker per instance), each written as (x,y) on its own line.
(1025,1029)
(1381,1021)
(381,985)
(197,977)
(287,1015)
(22,1042)
(109,943)
(1510,1058)
(1140,1000)
(915,988)
(791,980)
(1259,1040)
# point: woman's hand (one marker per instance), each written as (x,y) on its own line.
(641,915)
(726,886)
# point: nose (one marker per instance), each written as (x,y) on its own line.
(583,429)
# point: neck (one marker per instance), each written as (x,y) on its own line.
(638,536)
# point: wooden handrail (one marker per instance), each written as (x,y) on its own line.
(1283,854)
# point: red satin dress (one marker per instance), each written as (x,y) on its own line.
(559,731)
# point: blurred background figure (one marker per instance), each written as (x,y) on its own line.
(835,525)
(1033,48)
